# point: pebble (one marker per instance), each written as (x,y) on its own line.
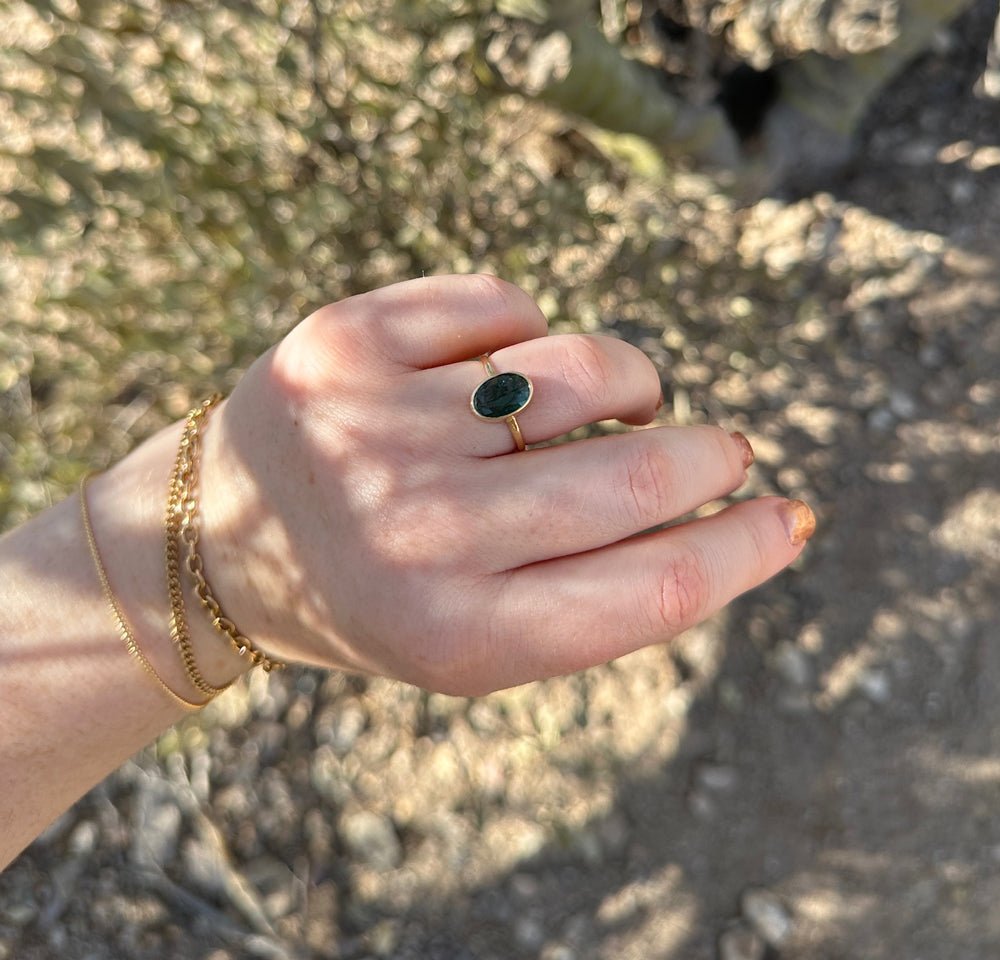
(558,952)
(768,916)
(529,933)
(342,729)
(20,914)
(371,838)
(327,775)
(83,839)
(739,943)
(881,420)
(700,805)
(875,685)
(524,886)
(792,664)
(931,356)
(383,938)
(717,777)
(902,405)
(265,948)
(157,830)
(204,866)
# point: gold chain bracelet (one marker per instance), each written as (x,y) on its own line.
(180,491)
(124,629)
(185,498)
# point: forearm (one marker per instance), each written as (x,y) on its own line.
(74,703)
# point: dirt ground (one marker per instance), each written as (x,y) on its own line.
(815,773)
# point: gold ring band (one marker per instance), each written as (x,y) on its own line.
(501,396)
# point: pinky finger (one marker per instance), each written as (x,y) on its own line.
(578,611)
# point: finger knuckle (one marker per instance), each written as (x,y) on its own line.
(683,591)
(758,545)
(646,488)
(497,297)
(322,343)
(586,370)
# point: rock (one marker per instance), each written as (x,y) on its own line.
(875,685)
(83,839)
(717,777)
(881,420)
(700,805)
(558,951)
(20,914)
(792,663)
(371,838)
(902,405)
(266,948)
(739,943)
(340,728)
(383,938)
(157,829)
(768,916)
(529,933)
(524,886)
(327,775)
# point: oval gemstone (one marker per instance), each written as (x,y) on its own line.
(501,396)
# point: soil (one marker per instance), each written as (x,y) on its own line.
(814,773)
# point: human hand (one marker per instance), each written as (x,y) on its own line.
(358,516)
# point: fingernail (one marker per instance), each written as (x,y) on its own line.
(745,449)
(800,521)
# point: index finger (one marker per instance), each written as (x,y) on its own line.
(432,321)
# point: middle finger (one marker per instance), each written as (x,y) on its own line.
(580,496)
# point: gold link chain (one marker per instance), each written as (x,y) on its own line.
(181,486)
(188,531)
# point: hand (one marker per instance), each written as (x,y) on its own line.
(358,516)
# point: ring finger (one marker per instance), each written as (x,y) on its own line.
(577,379)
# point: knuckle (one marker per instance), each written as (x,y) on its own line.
(646,489)
(683,591)
(758,545)
(587,370)
(321,344)
(496,296)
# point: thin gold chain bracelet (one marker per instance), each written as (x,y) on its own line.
(124,629)
(188,531)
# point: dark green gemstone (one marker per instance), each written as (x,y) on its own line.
(501,396)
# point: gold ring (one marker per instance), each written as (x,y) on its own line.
(501,396)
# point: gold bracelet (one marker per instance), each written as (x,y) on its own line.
(124,630)
(180,494)
(186,500)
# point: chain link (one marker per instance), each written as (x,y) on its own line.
(181,486)
(184,498)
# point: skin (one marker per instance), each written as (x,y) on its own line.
(356,516)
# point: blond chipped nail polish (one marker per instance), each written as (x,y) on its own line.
(800,521)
